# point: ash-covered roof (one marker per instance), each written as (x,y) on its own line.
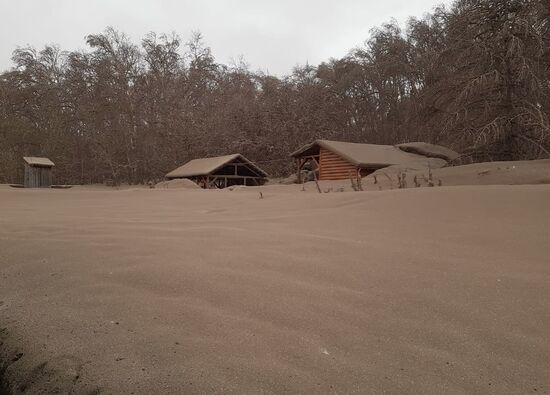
(429,150)
(206,166)
(362,155)
(36,161)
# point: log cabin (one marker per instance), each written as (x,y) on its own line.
(337,160)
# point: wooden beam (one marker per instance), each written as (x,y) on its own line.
(237,177)
(316,181)
(249,166)
(300,163)
(309,157)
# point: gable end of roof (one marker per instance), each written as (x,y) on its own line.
(207,166)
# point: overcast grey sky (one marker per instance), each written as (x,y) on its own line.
(272,35)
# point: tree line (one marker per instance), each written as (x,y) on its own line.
(474,76)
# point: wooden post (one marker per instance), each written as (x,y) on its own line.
(27,181)
(316,181)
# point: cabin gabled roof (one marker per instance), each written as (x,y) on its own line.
(207,166)
(362,155)
(36,161)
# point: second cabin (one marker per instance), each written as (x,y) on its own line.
(220,172)
(337,160)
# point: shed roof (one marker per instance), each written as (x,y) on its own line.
(205,166)
(362,155)
(429,150)
(36,161)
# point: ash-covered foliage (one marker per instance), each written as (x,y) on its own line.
(474,77)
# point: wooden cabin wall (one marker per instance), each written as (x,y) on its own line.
(37,177)
(334,167)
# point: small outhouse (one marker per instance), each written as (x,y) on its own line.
(38,172)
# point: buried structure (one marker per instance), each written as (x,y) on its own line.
(337,160)
(220,172)
(38,172)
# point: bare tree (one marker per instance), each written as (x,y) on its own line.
(474,76)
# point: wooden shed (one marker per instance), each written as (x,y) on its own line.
(337,160)
(220,172)
(38,172)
